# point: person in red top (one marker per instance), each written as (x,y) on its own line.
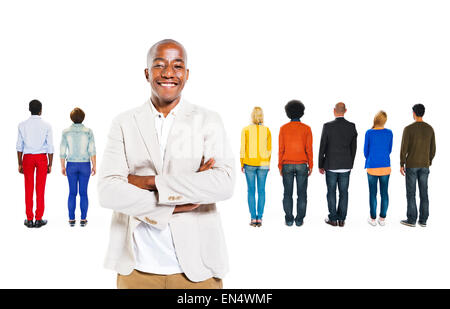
(295,160)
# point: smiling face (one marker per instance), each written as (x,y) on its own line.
(167,72)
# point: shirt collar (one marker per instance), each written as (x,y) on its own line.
(173,112)
(295,119)
(35,117)
(77,125)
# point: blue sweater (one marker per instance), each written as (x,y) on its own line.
(377,148)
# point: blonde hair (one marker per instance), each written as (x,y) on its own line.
(257,115)
(380,119)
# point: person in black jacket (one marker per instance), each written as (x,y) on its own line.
(336,156)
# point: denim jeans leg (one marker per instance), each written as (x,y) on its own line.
(288,184)
(331,179)
(423,194)
(384,184)
(373,187)
(343,182)
(250,176)
(411,178)
(261,176)
(302,186)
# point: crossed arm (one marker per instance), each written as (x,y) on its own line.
(149,196)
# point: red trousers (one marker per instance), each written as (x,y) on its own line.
(30,164)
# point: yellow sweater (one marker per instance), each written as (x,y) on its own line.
(256,145)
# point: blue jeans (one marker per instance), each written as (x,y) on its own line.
(340,180)
(373,186)
(256,175)
(420,176)
(300,172)
(78,174)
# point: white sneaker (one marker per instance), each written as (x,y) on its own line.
(381,222)
(372,222)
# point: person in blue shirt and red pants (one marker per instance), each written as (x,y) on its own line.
(35,154)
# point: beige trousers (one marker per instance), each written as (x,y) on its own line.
(141,280)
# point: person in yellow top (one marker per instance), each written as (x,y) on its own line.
(256,149)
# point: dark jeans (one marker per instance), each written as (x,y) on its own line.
(300,172)
(340,180)
(373,186)
(419,175)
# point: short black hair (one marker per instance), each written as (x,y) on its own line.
(419,110)
(294,109)
(35,107)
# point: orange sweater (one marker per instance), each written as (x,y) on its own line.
(295,144)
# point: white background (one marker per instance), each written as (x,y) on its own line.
(371,55)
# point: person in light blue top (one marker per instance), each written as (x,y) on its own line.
(78,149)
(377,149)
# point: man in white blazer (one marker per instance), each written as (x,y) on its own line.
(165,230)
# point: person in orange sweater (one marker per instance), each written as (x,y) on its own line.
(295,160)
(256,148)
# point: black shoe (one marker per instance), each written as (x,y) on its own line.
(332,223)
(341,223)
(405,222)
(39,223)
(423,224)
(72,222)
(28,223)
(83,222)
(298,223)
(289,223)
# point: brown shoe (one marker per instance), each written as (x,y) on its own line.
(328,221)
(341,223)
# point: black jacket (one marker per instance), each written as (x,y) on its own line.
(337,145)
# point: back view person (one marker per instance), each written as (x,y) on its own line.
(336,156)
(295,160)
(416,154)
(35,156)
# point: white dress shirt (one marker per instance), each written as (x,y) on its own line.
(34,136)
(153,249)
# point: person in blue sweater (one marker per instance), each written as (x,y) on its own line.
(377,149)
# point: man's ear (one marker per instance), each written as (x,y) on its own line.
(187,74)
(146,74)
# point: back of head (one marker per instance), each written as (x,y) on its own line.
(35,107)
(380,119)
(340,108)
(77,115)
(257,115)
(294,109)
(419,110)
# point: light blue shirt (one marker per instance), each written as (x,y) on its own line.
(77,144)
(35,136)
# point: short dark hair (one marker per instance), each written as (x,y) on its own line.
(294,109)
(419,110)
(35,107)
(77,115)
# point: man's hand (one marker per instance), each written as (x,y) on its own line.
(206,166)
(242,169)
(310,172)
(322,170)
(49,169)
(402,170)
(185,208)
(20,168)
(93,171)
(143,182)
(63,171)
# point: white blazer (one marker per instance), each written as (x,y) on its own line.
(132,148)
